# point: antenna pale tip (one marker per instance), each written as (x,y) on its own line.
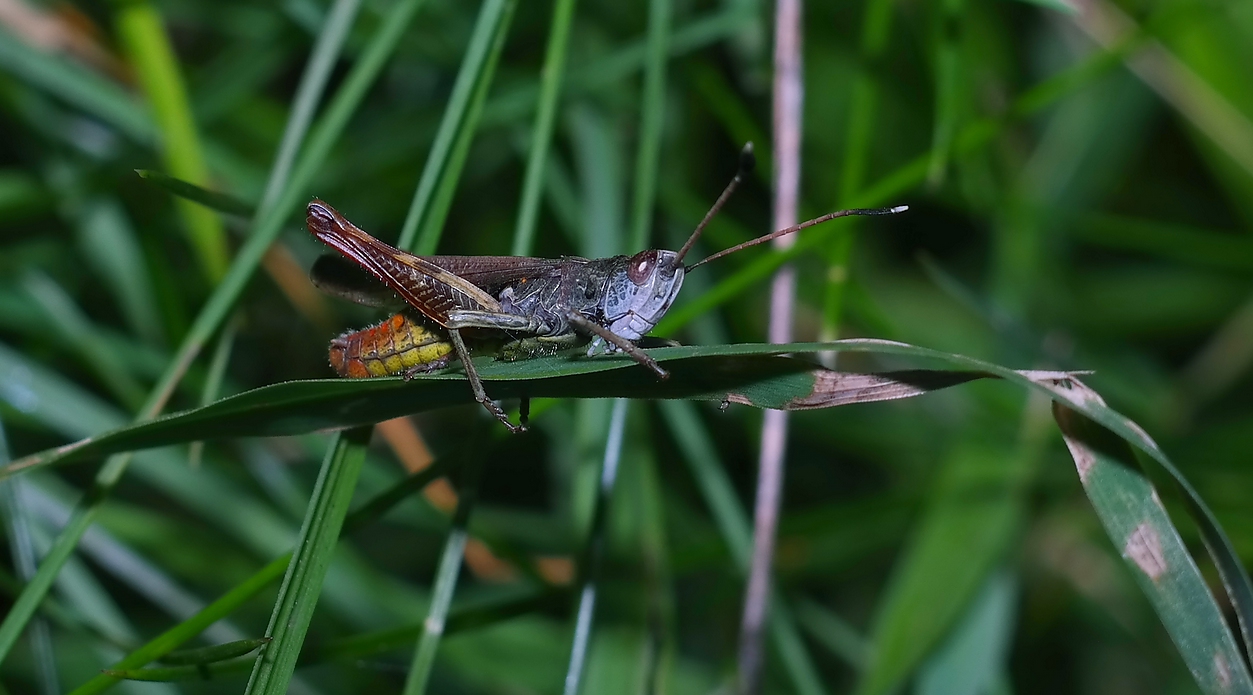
(898,208)
(748,161)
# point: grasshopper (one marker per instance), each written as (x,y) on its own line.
(527,306)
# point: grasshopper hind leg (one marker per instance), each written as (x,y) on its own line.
(476,384)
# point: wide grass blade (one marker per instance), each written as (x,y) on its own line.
(746,375)
(1141,530)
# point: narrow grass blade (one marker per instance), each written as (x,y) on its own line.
(976,653)
(213,200)
(652,113)
(22,549)
(218,307)
(303,582)
(594,551)
(551,79)
(93,93)
(445,580)
(317,73)
(431,200)
(247,589)
(79,333)
(143,38)
(974,512)
(216,652)
(109,242)
(732,521)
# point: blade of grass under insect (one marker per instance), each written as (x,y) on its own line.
(143,38)
(594,550)
(302,584)
(652,116)
(551,78)
(972,137)
(429,208)
(219,305)
(92,92)
(213,200)
(22,548)
(1141,530)
(445,579)
(702,460)
(754,375)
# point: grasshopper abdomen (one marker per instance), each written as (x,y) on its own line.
(399,345)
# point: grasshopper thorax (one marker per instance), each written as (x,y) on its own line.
(641,293)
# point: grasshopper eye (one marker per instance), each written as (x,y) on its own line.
(641,266)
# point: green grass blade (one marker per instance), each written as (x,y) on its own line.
(213,200)
(594,551)
(974,514)
(78,332)
(652,113)
(143,38)
(25,559)
(77,85)
(250,587)
(752,375)
(551,79)
(303,582)
(326,51)
(109,242)
(1141,530)
(218,307)
(736,530)
(445,580)
(977,651)
(425,219)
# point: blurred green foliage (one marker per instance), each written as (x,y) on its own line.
(1079,180)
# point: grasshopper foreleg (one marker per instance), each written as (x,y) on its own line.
(476,385)
(578,321)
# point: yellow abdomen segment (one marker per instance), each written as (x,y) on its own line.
(395,346)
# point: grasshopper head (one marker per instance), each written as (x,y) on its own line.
(638,298)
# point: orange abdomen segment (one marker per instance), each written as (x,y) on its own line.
(395,346)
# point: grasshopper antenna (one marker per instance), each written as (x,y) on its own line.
(803,225)
(747,163)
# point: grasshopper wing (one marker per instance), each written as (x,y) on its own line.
(430,289)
